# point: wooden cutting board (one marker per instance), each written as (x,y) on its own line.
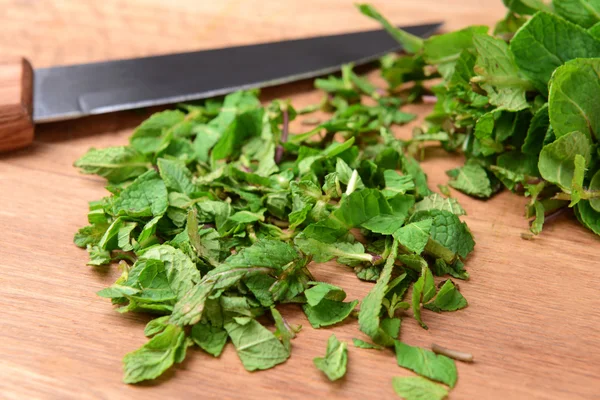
(533,321)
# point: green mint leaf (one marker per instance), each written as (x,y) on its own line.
(181,272)
(256,346)
(448,298)
(346,253)
(321,290)
(485,132)
(437,202)
(538,223)
(471,179)
(414,236)
(335,360)
(595,188)
(361,344)
(156,326)
(423,291)
(264,253)
(498,74)
(154,357)
(595,31)
(176,176)
(145,197)
(411,43)
(98,256)
(577,182)
(328,312)
(116,164)
(396,184)
(444,50)
(146,237)
(385,224)
(588,216)
(243,127)
(418,388)
(546,42)
(426,363)
(411,167)
(210,338)
(557,159)
(369,316)
(91,234)
(448,230)
(284,332)
(585,13)
(534,141)
(148,137)
(574,93)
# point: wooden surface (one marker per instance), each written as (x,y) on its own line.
(533,321)
(16,81)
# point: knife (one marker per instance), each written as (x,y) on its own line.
(29,97)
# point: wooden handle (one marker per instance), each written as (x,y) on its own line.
(16,96)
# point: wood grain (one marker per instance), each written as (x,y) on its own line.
(533,321)
(16,85)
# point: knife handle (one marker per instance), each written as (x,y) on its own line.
(16,100)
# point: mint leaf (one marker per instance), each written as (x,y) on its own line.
(595,189)
(264,253)
(537,131)
(148,137)
(256,346)
(418,388)
(426,363)
(369,316)
(545,43)
(116,164)
(557,159)
(328,312)
(176,176)
(155,357)
(444,50)
(437,202)
(396,184)
(577,190)
(588,216)
(361,344)
(335,360)
(145,197)
(181,272)
(471,179)
(585,13)
(423,291)
(243,127)
(448,231)
(498,74)
(210,338)
(284,332)
(321,290)
(414,236)
(574,92)
(346,253)
(448,298)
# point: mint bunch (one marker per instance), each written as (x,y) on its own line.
(218,213)
(519,103)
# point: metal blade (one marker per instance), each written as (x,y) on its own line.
(74,91)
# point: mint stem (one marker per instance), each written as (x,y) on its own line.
(284,136)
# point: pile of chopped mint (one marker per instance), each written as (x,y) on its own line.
(218,213)
(521,104)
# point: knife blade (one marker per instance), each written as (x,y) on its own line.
(73,91)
